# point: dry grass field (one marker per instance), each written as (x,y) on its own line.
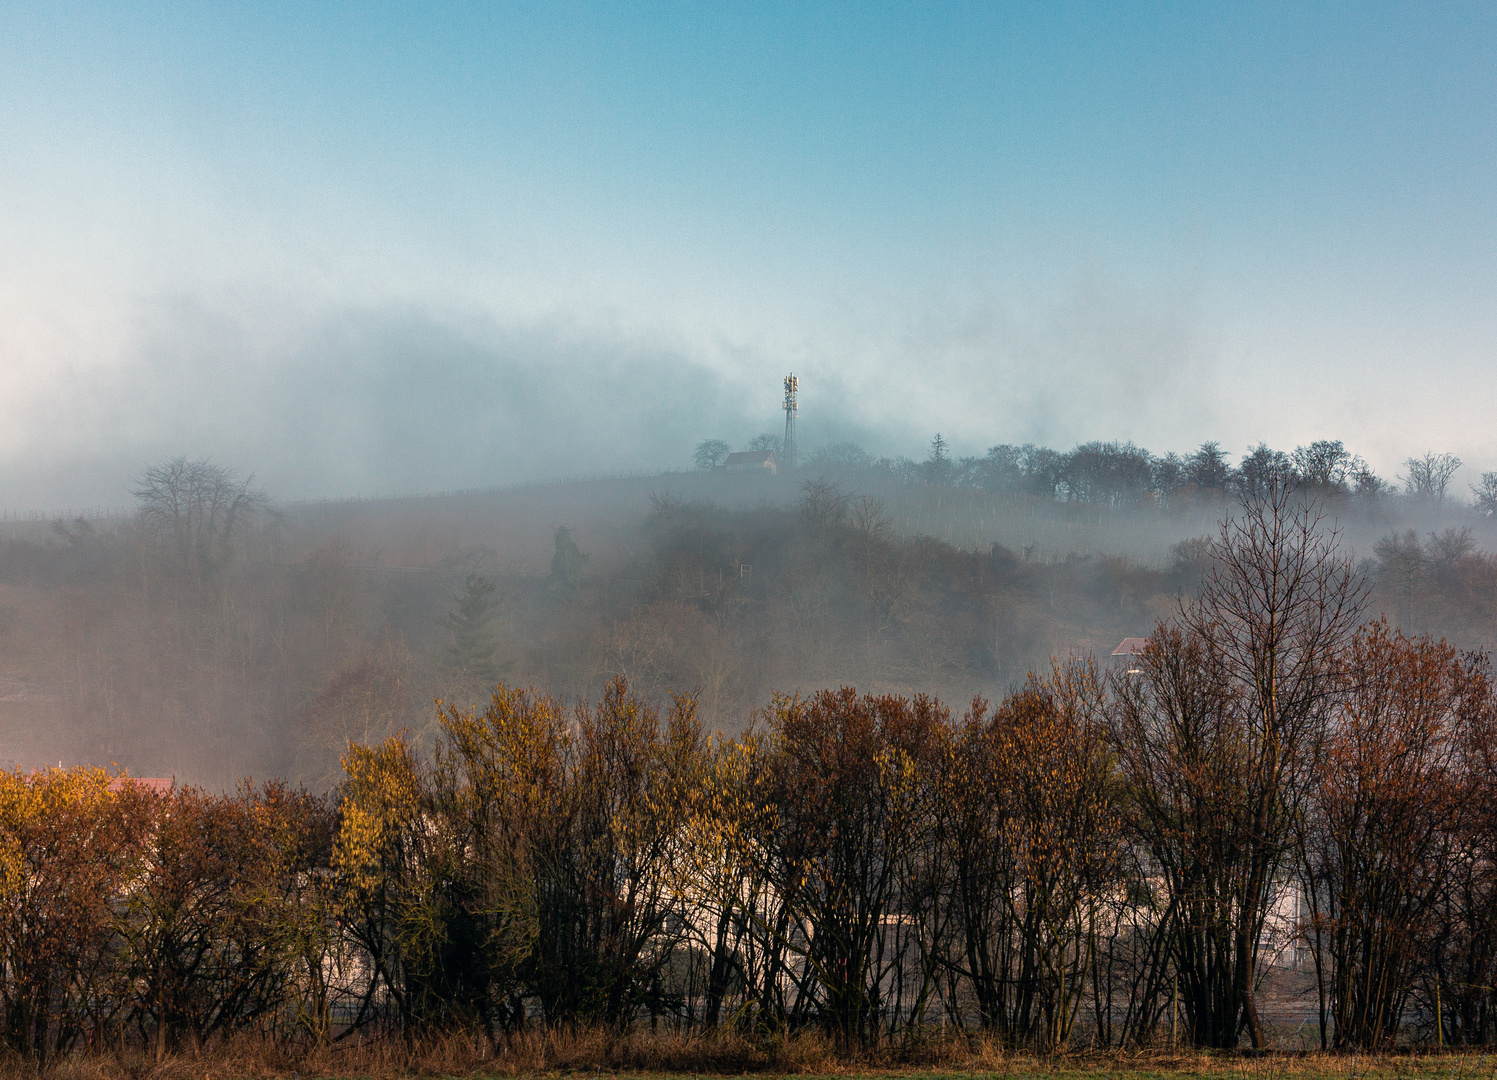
(645,1057)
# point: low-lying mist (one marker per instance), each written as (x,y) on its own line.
(214,632)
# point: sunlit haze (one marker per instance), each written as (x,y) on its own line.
(358,248)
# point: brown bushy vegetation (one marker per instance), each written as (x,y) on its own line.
(1101,860)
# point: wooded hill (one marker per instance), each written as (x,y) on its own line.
(190,641)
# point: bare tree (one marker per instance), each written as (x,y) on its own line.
(710,453)
(1218,736)
(1113,473)
(1208,467)
(1324,466)
(1280,607)
(197,509)
(1176,740)
(823,507)
(1383,819)
(1365,482)
(842,455)
(1486,494)
(1169,475)
(1430,475)
(1263,470)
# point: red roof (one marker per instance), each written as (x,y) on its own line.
(1130,646)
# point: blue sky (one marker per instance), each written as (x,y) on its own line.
(391,247)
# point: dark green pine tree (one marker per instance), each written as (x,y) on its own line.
(470,651)
(566,563)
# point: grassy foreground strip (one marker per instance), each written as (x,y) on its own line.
(1226,1067)
(1107,1067)
(601,1056)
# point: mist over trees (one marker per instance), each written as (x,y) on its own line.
(710,453)
(1122,474)
(195,511)
(214,633)
(1083,854)
(1276,786)
(469,659)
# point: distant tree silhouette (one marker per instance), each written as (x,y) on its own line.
(1486,494)
(1262,471)
(1044,470)
(1169,475)
(1111,472)
(1324,466)
(1430,475)
(1208,468)
(842,455)
(1001,470)
(710,453)
(566,563)
(196,509)
(1366,483)
(470,652)
(938,467)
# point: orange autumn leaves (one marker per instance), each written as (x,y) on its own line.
(181,915)
(1075,864)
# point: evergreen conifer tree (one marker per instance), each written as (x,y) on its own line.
(470,652)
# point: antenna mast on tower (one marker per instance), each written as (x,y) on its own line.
(792,384)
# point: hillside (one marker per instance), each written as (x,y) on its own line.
(323,622)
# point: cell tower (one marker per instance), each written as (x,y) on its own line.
(792,384)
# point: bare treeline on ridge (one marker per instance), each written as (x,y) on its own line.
(214,633)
